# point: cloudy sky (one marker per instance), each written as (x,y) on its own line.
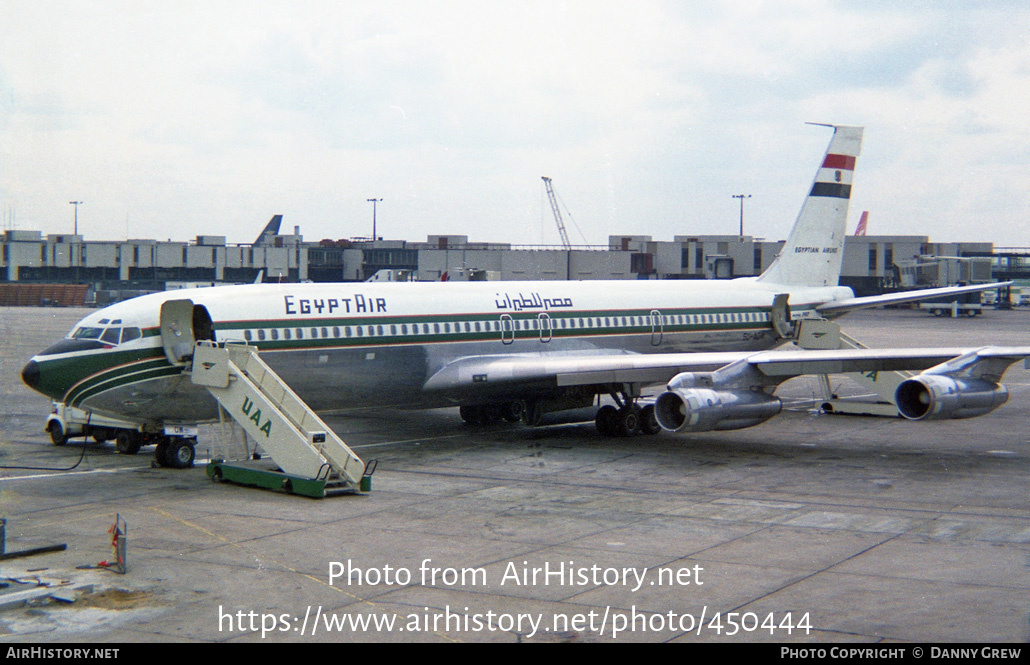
(170,120)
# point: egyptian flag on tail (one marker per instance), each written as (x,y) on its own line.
(834,178)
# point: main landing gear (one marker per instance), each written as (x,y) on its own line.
(488,414)
(626,419)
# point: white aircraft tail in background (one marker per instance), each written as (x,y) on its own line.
(863,221)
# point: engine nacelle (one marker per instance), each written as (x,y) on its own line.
(706,409)
(936,396)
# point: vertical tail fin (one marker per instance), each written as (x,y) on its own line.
(862,222)
(814,249)
(270,231)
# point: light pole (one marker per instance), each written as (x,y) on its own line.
(374,202)
(741,197)
(76,204)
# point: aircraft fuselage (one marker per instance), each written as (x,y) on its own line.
(350,345)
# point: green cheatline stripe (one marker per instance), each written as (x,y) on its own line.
(388,339)
(554,315)
(114,372)
(117,382)
(59,375)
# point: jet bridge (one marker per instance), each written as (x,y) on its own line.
(312,459)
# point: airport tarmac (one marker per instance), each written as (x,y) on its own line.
(808,528)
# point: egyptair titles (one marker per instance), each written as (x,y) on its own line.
(532,301)
(356,304)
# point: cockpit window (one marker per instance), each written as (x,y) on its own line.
(87,333)
(111,336)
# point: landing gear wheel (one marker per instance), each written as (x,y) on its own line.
(605,420)
(513,411)
(533,414)
(57,434)
(179,453)
(480,414)
(628,420)
(649,421)
(128,443)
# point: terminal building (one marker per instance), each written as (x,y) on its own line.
(116,269)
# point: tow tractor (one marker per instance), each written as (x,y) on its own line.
(175,444)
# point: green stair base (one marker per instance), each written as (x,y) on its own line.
(267,479)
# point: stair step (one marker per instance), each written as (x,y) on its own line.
(272,414)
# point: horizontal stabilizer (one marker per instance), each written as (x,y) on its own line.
(844,306)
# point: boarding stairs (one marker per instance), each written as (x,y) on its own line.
(823,334)
(285,428)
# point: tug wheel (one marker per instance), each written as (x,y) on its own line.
(127,443)
(179,453)
(57,434)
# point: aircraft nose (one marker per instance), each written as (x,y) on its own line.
(30,374)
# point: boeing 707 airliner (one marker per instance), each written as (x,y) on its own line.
(516,350)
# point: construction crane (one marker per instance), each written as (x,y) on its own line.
(557,214)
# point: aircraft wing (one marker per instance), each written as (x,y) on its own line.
(549,370)
(843,306)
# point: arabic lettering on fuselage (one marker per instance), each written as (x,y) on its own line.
(357,304)
(531,301)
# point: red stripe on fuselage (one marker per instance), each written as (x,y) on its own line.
(846,162)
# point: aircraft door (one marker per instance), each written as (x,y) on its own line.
(545,327)
(507,329)
(657,327)
(781,321)
(177,330)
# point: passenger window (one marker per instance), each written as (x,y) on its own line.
(275,333)
(286,334)
(129,334)
(246,335)
(111,335)
(300,333)
(261,334)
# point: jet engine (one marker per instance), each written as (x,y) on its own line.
(684,407)
(936,397)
